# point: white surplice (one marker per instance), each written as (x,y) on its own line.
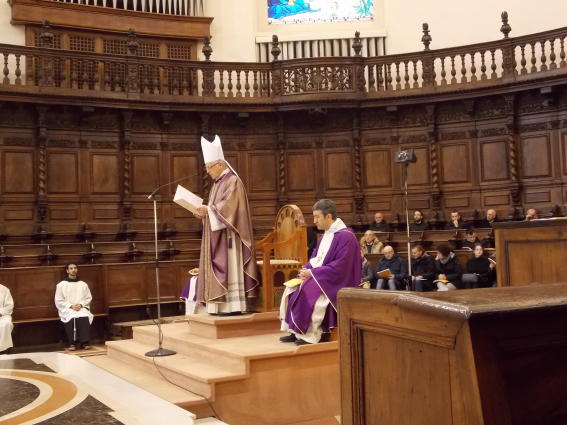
(71,293)
(6,325)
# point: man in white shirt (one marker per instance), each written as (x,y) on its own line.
(6,326)
(73,299)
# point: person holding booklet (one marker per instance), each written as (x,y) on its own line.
(390,270)
(228,275)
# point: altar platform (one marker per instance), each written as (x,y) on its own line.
(233,368)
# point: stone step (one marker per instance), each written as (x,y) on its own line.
(149,382)
(219,327)
(193,374)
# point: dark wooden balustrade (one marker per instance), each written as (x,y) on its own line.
(29,70)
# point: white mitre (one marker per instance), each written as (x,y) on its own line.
(212,151)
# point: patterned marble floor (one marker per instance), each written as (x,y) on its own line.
(55,388)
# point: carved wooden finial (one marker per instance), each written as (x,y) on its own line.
(505,28)
(357,44)
(132,43)
(426,38)
(275,47)
(207,49)
(46,37)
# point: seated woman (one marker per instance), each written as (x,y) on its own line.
(367,276)
(370,243)
(447,268)
(395,266)
(481,271)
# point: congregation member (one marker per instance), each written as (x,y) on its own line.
(456,221)
(72,299)
(419,224)
(370,243)
(367,276)
(471,239)
(422,270)
(6,325)
(447,269)
(480,271)
(491,218)
(396,267)
(309,310)
(379,224)
(228,275)
(531,214)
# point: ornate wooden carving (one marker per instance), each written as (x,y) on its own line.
(126,143)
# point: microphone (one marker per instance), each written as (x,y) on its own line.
(170,183)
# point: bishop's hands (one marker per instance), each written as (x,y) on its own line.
(304,274)
(202,212)
(77,307)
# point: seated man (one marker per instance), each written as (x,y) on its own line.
(480,270)
(531,214)
(418,224)
(370,243)
(72,299)
(422,270)
(471,239)
(447,268)
(379,224)
(490,219)
(456,221)
(367,276)
(6,325)
(396,267)
(309,309)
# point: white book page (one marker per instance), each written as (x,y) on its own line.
(187,199)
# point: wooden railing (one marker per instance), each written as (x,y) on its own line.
(478,66)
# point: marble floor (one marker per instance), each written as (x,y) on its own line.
(56,388)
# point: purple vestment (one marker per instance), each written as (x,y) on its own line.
(341,268)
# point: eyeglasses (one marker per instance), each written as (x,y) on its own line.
(208,167)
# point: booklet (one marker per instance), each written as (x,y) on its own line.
(187,199)
(385,274)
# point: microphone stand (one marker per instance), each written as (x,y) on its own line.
(405,178)
(160,351)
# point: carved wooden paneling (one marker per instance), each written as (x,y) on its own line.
(15,213)
(536,156)
(419,172)
(541,196)
(496,199)
(338,170)
(494,161)
(62,173)
(455,163)
(125,284)
(66,213)
(145,173)
(262,172)
(186,165)
(301,166)
(105,212)
(105,173)
(457,202)
(564,152)
(34,293)
(377,168)
(17,172)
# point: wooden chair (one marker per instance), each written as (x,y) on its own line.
(283,251)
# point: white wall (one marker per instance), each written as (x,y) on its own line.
(455,23)
(10,34)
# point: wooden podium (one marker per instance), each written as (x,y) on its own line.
(469,357)
(531,252)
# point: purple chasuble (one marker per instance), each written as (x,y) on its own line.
(341,268)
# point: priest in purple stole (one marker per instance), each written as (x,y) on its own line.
(227,267)
(309,310)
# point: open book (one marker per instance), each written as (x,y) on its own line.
(191,202)
(385,274)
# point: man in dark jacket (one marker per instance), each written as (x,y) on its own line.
(419,224)
(396,267)
(422,270)
(379,224)
(448,269)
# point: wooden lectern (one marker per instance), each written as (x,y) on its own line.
(494,356)
(531,252)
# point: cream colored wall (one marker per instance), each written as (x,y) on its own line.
(10,34)
(454,22)
(238,24)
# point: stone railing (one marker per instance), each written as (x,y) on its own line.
(485,65)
